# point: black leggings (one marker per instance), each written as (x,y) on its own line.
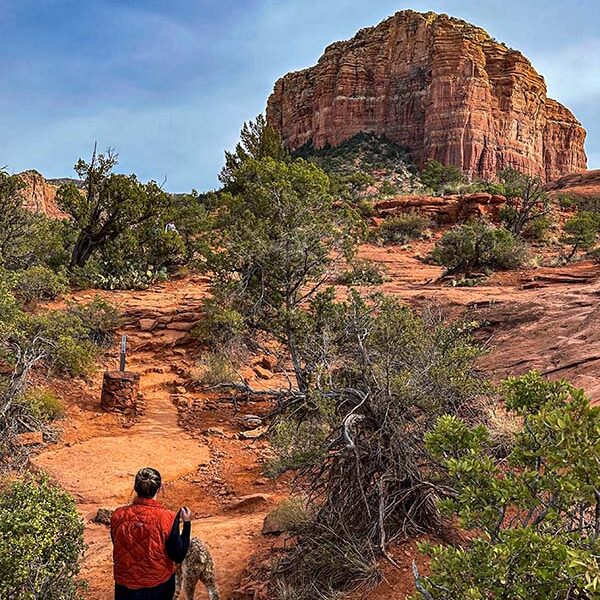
(164,591)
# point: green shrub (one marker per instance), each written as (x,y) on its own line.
(42,404)
(438,177)
(324,565)
(588,203)
(538,229)
(565,201)
(365,208)
(212,369)
(508,251)
(581,232)
(37,284)
(466,248)
(527,203)
(387,188)
(41,541)
(402,228)
(291,515)
(532,516)
(362,272)
(299,444)
(67,348)
(99,318)
(221,326)
(73,357)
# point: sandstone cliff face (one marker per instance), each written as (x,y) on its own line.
(439,86)
(39,195)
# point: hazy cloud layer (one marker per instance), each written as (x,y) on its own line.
(169,83)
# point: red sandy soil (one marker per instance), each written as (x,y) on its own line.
(543,318)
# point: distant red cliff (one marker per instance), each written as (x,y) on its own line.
(439,86)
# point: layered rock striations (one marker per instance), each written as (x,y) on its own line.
(439,86)
(39,195)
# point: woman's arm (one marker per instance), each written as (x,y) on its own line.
(177,543)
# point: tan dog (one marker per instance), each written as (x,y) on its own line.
(197,566)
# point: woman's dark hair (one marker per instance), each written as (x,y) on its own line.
(147,482)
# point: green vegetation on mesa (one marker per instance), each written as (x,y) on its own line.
(366,162)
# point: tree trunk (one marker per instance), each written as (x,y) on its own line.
(82,250)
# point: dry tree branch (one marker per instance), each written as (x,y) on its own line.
(418,583)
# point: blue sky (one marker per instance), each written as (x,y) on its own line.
(169,83)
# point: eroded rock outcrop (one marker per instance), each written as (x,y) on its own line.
(578,185)
(439,86)
(40,195)
(445,210)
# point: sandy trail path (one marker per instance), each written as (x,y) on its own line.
(545,319)
(99,471)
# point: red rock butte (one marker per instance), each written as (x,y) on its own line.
(439,86)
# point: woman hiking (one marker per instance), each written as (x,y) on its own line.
(147,542)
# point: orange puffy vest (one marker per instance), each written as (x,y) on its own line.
(139,532)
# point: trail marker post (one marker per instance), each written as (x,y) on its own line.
(120,390)
(123,361)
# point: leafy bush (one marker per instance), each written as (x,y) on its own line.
(402,228)
(213,368)
(527,203)
(41,541)
(60,341)
(534,517)
(387,188)
(538,229)
(99,318)
(362,272)
(37,284)
(565,201)
(297,444)
(15,222)
(221,326)
(581,232)
(588,203)
(325,566)
(365,208)
(380,375)
(42,404)
(72,356)
(437,176)
(466,248)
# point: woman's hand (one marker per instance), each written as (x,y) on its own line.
(186,514)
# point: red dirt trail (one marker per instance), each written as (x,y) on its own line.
(547,319)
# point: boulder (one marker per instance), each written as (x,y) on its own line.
(253,434)
(147,324)
(262,373)
(250,503)
(103,516)
(267,361)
